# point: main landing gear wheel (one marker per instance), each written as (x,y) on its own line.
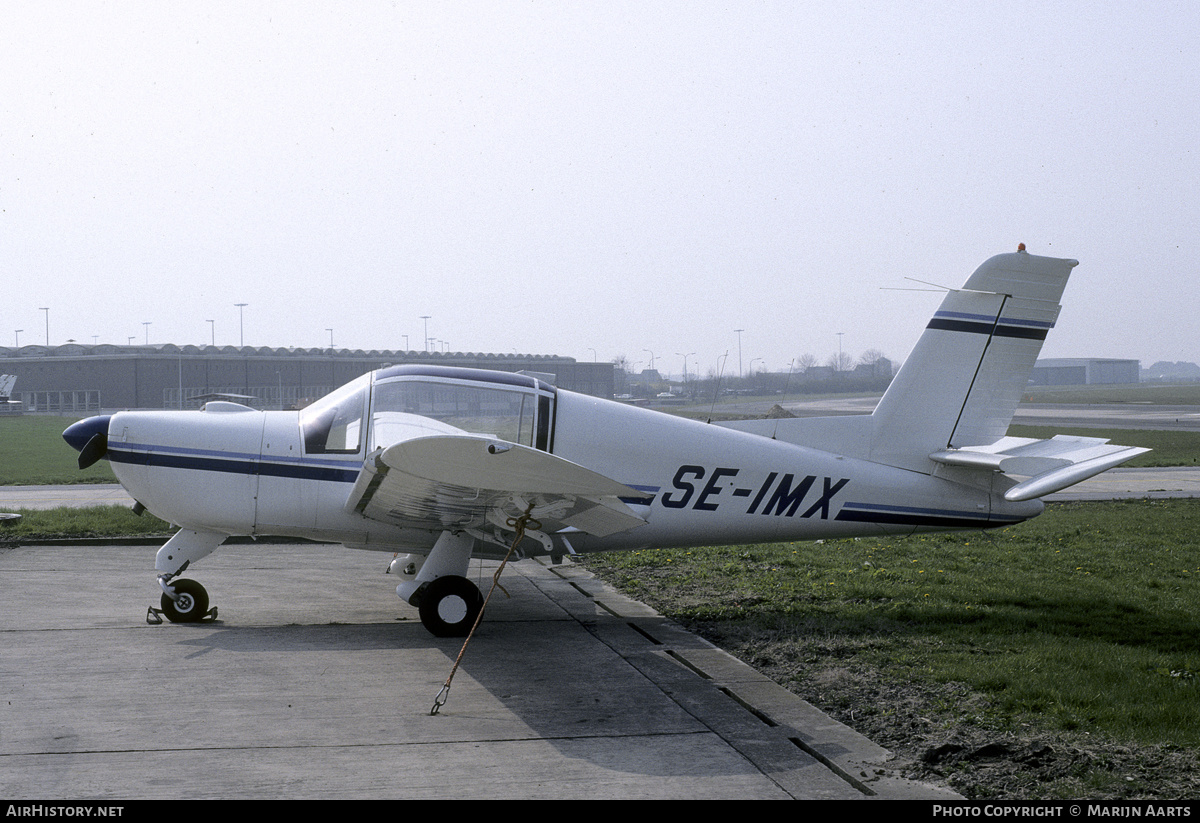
(449,606)
(190,604)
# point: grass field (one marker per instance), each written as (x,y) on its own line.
(1086,616)
(88,521)
(1158,394)
(1082,622)
(1168,448)
(33,453)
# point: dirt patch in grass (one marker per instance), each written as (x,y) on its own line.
(940,734)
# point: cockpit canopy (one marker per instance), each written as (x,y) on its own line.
(398,400)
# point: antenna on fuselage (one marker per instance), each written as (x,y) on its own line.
(717,389)
(786,386)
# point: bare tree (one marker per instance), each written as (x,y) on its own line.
(840,361)
(870,357)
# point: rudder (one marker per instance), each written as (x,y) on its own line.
(961,384)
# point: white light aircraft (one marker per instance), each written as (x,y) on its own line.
(445,464)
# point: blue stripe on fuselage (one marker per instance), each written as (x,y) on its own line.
(915,516)
(231,463)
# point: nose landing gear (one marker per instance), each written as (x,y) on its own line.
(183,601)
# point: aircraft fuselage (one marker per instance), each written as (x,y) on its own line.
(237,471)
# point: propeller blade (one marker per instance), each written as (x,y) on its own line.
(93,450)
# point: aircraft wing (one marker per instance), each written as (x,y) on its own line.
(469,482)
(1050,465)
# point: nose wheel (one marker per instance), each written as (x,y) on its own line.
(183,601)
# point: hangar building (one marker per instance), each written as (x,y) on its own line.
(1067,371)
(79,378)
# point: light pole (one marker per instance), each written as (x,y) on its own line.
(146,324)
(839,362)
(241,323)
(685,357)
(739,334)
(651,358)
(18,333)
(426,317)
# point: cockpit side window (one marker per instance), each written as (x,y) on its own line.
(333,424)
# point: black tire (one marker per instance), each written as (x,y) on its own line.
(191,606)
(449,606)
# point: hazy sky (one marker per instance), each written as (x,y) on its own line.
(593,179)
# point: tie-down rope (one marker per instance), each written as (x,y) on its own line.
(518,524)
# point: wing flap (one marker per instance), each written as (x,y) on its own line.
(606,516)
(466,481)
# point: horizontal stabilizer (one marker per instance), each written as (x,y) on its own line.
(467,482)
(1051,465)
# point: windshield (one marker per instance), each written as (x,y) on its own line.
(333,424)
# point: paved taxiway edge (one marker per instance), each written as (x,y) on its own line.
(714,685)
(316,682)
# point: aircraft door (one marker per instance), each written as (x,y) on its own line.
(285,497)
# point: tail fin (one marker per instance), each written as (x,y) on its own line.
(963,380)
(952,401)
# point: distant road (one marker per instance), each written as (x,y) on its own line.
(1114,416)
(1121,484)
(1066,415)
(53,497)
